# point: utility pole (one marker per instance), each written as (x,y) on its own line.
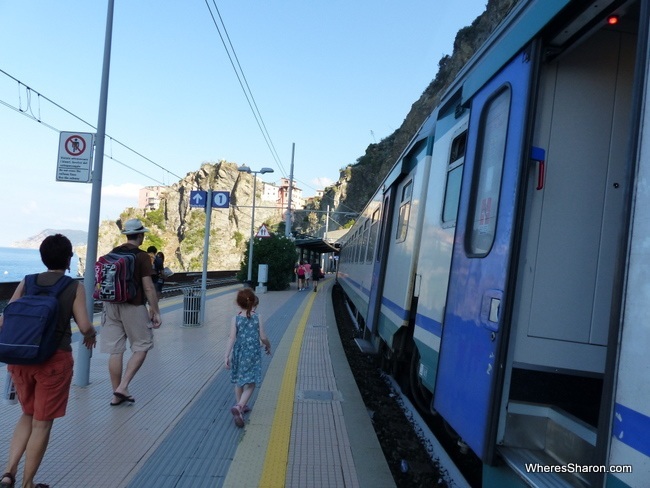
(287,217)
(82,365)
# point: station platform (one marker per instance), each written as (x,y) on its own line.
(308,426)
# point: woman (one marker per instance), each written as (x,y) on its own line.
(43,389)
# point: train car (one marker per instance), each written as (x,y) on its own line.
(506,283)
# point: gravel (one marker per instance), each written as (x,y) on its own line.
(406,453)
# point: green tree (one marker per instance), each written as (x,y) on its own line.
(279,253)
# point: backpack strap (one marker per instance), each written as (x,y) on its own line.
(32,288)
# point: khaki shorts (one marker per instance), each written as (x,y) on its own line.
(43,389)
(125,321)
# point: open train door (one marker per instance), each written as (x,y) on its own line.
(474,338)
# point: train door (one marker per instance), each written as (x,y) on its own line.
(474,336)
(379,261)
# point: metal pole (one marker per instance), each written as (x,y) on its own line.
(206,250)
(250,245)
(327,222)
(287,219)
(82,364)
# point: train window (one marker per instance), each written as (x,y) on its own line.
(458,146)
(404,211)
(364,241)
(382,231)
(372,240)
(454,177)
(489,167)
(355,249)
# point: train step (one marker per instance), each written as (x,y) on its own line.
(366,346)
(547,446)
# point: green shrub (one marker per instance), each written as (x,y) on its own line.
(279,253)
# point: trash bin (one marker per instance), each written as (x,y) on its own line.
(191,306)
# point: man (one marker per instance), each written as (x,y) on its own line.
(131,320)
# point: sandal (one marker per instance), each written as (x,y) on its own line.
(236,412)
(12,480)
(41,485)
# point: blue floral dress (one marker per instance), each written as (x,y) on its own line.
(246,364)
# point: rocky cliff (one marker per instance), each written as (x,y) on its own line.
(178,230)
(358,182)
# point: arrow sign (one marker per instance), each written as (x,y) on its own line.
(220,199)
(198,198)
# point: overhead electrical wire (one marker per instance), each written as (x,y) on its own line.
(38,119)
(239,72)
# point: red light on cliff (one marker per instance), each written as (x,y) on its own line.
(612,20)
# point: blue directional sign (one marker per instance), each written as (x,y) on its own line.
(220,199)
(198,198)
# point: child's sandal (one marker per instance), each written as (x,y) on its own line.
(236,412)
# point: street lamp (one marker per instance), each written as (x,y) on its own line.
(245,169)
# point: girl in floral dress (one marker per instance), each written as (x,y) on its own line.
(243,354)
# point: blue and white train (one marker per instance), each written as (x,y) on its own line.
(502,270)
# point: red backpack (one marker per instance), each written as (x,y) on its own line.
(114,273)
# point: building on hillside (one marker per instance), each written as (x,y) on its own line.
(149,197)
(270,192)
(297,200)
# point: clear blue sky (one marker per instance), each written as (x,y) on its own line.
(330,76)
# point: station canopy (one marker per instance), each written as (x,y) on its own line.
(315,244)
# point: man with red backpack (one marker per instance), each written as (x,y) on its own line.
(131,319)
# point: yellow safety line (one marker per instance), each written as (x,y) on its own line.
(274,472)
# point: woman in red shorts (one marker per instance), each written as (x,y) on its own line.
(43,389)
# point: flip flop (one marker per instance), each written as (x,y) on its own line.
(119,402)
(123,397)
(12,480)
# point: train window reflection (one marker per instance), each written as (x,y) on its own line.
(454,178)
(374,228)
(404,211)
(489,167)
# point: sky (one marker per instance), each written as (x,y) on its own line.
(330,76)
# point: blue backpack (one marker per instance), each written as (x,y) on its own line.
(28,334)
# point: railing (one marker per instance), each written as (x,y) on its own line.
(171,288)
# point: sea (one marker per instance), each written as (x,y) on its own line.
(15,263)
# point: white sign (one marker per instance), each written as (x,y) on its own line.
(75,157)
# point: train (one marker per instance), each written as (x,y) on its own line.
(501,272)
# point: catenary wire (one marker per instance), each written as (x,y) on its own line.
(31,115)
(247,93)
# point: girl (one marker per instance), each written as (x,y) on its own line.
(243,355)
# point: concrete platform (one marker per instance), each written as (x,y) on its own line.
(308,427)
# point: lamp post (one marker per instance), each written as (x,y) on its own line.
(245,169)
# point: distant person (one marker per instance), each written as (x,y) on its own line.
(43,389)
(131,320)
(307,275)
(243,355)
(159,269)
(317,274)
(300,273)
(152,251)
